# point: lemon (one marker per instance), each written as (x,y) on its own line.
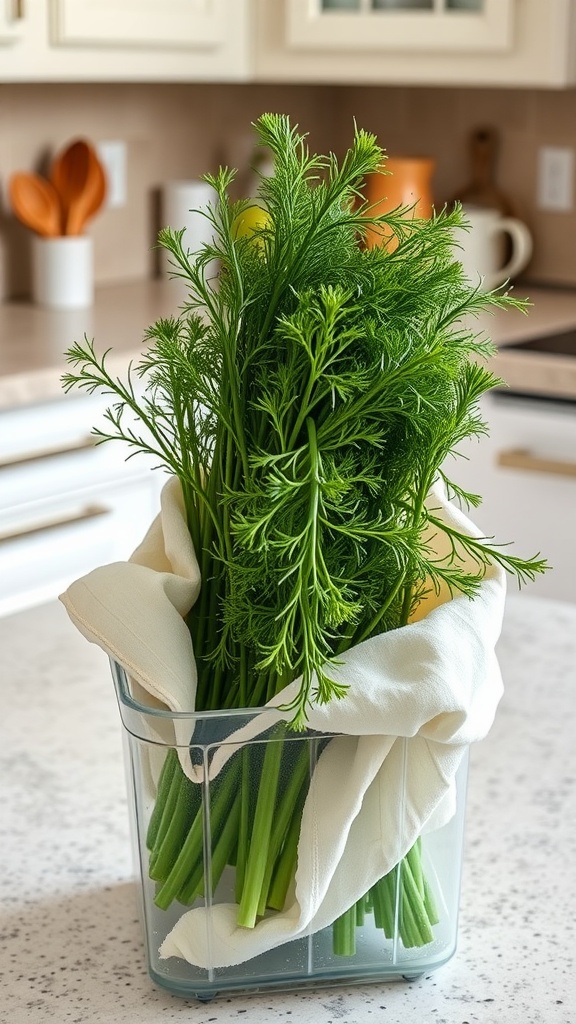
(253,220)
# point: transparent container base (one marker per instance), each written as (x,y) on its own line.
(304,963)
(188,844)
(308,962)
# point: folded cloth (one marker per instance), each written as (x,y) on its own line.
(416,698)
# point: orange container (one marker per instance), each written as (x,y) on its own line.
(408,183)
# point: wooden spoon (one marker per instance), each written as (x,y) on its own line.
(89,200)
(79,179)
(35,202)
(98,187)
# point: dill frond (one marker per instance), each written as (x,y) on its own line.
(307,400)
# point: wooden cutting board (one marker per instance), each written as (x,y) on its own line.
(481,189)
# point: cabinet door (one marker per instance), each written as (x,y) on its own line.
(407,25)
(417,42)
(123,40)
(11,26)
(172,23)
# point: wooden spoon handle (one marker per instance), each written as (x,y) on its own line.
(483,149)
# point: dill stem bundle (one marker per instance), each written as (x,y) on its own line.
(307,399)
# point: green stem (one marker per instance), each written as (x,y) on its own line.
(286,865)
(167,809)
(261,830)
(372,626)
(244,823)
(416,517)
(415,925)
(414,859)
(164,783)
(224,848)
(187,871)
(289,809)
(166,851)
(344,933)
(383,898)
(430,903)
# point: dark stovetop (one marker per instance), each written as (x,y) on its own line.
(562,343)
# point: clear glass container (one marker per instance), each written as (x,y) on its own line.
(187,841)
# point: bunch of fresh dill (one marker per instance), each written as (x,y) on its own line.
(307,400)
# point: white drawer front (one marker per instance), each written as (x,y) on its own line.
(30,429)
(44,476)
(54,543)
(525,474)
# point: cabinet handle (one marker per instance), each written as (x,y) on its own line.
(18,6)
(522,458)
(47,453)
(89,512)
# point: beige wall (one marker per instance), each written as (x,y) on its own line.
(172,131)
(175,131)
(438,122)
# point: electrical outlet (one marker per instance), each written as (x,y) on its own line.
(113,157)
(555,178)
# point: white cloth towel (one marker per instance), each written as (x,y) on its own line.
(435,682)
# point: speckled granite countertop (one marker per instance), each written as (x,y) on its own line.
(33,340)
(70,946)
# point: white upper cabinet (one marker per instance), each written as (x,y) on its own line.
(123,40)
(413,42)
(174,24)
(10,21)
(438,42)
(430,26)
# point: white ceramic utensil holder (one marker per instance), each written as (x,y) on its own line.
(63,272)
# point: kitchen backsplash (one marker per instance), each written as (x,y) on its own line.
(180,131)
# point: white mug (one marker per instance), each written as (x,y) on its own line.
(183,206)
(479,247)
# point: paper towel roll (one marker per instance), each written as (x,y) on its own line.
(183,203)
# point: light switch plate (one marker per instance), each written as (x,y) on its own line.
(555,178)
(113,156)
